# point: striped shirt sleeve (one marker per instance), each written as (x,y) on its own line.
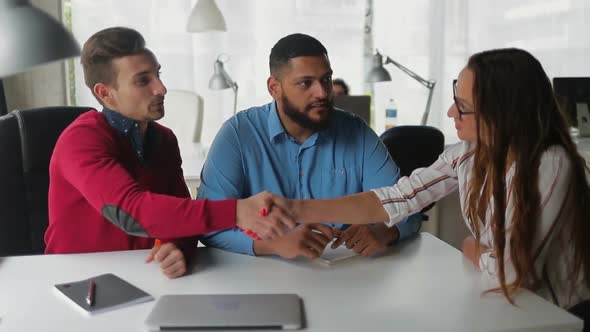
(424,186)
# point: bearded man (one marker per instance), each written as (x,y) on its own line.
(299,146)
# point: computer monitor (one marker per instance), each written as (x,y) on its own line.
(573,95)
(359,105)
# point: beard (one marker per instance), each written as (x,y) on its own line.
(302,118)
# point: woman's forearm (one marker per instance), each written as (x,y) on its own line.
(363,208)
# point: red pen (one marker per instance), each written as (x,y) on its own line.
(91,293)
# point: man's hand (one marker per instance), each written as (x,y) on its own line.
(274,224)
(288,206)
(305,240)
(367,240)
(170,258)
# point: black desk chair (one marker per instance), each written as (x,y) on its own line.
(13,225)
(27,139)
(413,147)
(582,310)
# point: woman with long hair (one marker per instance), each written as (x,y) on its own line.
(522,183)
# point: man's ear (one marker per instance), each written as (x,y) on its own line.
(102,92)
(274,87)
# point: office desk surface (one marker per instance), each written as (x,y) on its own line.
(422,285)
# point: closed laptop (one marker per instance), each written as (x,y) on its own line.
(226,311)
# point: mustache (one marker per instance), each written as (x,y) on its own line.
(320,103)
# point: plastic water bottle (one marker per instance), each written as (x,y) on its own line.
(390,114)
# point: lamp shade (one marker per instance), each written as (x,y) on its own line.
(206,16)
(30,37)
(378,73)
(220,79)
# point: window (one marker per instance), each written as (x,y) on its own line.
(254,26)
(433,38)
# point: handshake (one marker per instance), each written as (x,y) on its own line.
(282,235)
(279,217)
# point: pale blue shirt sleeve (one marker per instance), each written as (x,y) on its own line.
(222,177)
(381,171)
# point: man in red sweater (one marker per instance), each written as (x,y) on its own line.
(116,180)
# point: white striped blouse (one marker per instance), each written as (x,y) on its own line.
(451,171)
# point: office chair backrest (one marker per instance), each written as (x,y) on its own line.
(413,147)
(184,115)
(37,132)
(13,227)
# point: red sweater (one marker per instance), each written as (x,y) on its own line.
(102,198)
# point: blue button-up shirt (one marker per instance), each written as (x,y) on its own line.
(252,152)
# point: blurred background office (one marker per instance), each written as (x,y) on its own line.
(339,87)
(432,38)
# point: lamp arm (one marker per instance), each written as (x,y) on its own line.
(428,102)
(427,83)
(234,87)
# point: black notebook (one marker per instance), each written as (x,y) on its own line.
(110,292)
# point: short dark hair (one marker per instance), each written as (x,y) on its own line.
(343,84)
(293,46)
(104,46)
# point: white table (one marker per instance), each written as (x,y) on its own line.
(423,285)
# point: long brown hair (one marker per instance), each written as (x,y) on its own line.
(517,120)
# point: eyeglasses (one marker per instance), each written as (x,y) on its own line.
(460,107)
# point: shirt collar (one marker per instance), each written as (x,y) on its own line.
(120,122)
(130,129)
(275,128)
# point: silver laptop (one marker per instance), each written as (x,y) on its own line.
(231,311)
